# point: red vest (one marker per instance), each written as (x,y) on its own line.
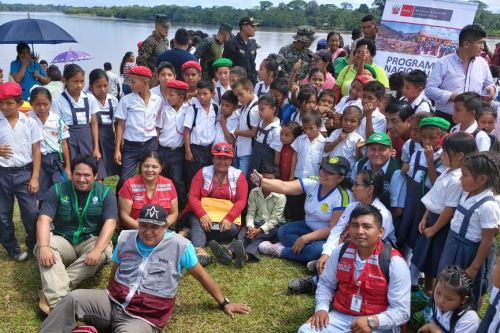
(372,284)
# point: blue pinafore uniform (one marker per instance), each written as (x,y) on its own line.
(107,139)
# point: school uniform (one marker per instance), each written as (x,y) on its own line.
(409,147)
(219,90)
(378,121)
(347,101)
(483,141)
(309,155)
(445,192)
(202,126)
(267,142)
(139,134)
(491,319)
(420,104)
(295,117)
(249,118)
(157,91)
(417,185)
(107,134)
(346,148)
(15,175)
(261,88)
(170,124)
(481,211)
(231,123)
(468,321)
(77,115)
(54,131)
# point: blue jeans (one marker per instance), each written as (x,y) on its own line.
(289,233)
(243,163)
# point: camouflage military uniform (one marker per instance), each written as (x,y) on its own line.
(289,54)
(151,48)
(209,50)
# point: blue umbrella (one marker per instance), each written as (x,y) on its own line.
(33,31)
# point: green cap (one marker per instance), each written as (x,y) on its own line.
(435,122)
(371,69)
(381,138)
(222,62)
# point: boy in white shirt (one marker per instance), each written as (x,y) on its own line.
(413,91)
(373,120)
(229,118)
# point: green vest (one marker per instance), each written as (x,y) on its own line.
(71,223)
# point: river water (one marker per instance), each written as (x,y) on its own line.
(108,39)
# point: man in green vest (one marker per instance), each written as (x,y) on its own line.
(210,49)
(83,215)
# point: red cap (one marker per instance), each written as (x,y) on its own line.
(364,79)
(176,84)
(223,149)
(10,89)
(141,71)
(191,64)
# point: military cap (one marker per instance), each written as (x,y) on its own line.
(176,84)
(162,20)
(226,27)
(191,64)
(435,122)
(247,20)
(9,90)
(222,62)
(141,71)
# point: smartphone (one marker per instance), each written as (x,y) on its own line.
(215,226)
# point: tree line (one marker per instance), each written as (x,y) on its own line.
(294,13)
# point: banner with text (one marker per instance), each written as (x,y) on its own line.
(414,36)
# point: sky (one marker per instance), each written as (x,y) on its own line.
(494,5)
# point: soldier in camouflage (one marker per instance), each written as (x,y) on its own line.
(211,48)
(297,51)
(155,44)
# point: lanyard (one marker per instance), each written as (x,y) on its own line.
(80,215)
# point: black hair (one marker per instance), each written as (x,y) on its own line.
(95,75)
(85,159)
(165,64)
(417,77)
(35,92)
(271,65)
(294,127)
(355,33)
(54,73)
(305,93)
(270,168)
(333,33)
(327,92)
(238,70)
(353,108)
(375,87)
(315,70)
(124,60)
(312,117)
(281,85)
(269,100)
(396,83)
(495,70)
(150,154)
(368,18)
(21,47)
(195,41)
(485,163)
(459,142)
(205,84)
(375,179)
(72,70)
(471,33)
(362,209)
(487,110)
(370,45)
(230,97)
(44,62)
(181,37)
(107,66)
(471,100)
(458,279)
(402,108)
(244,83)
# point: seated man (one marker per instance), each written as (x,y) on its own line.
(148,264)
(83,215)
(366,282)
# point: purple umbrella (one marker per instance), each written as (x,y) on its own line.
(71,56)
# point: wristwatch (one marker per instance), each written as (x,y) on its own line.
(372,323)
(224,303)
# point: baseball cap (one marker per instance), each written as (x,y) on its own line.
(380,138)
(337,164)
(247,20)
(324,55)
(154,214)
(223,149)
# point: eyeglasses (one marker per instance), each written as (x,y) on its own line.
(219,149)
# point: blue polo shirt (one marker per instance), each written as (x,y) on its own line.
(28,80)
(176,57)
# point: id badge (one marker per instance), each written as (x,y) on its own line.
(356,303)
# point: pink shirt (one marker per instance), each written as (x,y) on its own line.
(329,82)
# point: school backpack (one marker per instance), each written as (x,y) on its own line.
(494,143)
(248,114)
(216,109)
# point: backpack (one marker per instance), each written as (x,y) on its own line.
(248,114)
(494,143)
(216,109)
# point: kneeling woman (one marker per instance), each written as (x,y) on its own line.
(147,188)
(217,196)
(326,199)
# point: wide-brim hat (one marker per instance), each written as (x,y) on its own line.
(305,34)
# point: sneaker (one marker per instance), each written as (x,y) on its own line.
(20,256)
(240,256)
(43,304)
(312,266)
(271,249)
(203,257)
(223,255)
(301,285)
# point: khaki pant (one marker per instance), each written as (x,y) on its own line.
(70,268)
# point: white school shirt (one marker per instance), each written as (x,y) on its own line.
(345,102)
(106,119)
(295,117)
(261,89)
(244,144)
(20,139)
(319,210)
(333,238)
(445,192)
(398,294)
(485,217)
(419,104)
(423,162)
(171,125)
(379,123)
(54,130)
(346,148)
(483,142)
(140,119)
(273,137)
(468,323)
(405,154)
(203,133)
(157,91)
(61,107)
(231,123)
(309,155)
(219,91)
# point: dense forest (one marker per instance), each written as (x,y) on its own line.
(293,13)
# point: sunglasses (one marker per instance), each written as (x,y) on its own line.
(226,150)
